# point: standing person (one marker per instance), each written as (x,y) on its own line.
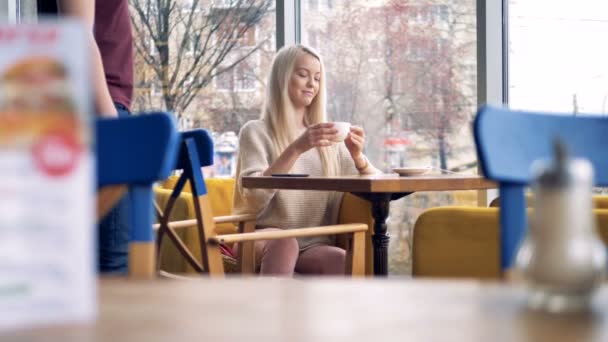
(293,136)
(111,50)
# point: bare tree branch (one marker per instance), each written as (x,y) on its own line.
(192,46)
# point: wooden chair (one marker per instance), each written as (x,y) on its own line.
(196,148)
(508,142)
(196,151)
(136,152)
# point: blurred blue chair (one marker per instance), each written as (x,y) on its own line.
(508,142)
(136,152)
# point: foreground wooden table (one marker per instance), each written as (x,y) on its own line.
(321,310)
(379,190)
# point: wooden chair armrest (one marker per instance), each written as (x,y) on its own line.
(177,224)
(282,234)
(216,220)
(235,218)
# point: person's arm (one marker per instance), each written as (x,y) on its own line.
(354,143)
(84,10)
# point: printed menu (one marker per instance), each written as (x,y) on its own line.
(47,208)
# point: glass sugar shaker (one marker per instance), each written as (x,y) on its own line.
(562,258)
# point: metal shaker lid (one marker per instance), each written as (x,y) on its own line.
(562,170)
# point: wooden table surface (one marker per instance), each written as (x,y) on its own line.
(267,309)
(371,184)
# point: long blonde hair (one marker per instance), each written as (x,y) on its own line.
(278,111)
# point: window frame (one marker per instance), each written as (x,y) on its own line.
(492,52)
(491,64)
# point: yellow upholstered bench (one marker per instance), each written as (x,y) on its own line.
(464,242)
(221,193)
(599,201)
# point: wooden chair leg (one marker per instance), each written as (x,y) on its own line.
(216,266)
(355,258)
(211,251)
(141,260)
(247,249)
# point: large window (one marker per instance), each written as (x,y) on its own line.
(406,72)
(209,66)
(557,58)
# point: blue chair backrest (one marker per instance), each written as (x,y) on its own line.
(137,151)
(204,146)
(195,151)
(508,142)
(140,149)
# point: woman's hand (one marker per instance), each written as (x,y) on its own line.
(318,135)
(354,142)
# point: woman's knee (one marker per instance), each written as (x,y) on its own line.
(289,246)
(334,261)
(329,260)
(279,257)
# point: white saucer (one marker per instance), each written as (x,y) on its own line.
(412,171)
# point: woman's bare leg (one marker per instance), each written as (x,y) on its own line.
(276,257)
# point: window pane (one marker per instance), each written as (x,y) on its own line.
(18,10)
(406,72)
(4,10)
(557,61)
(210,70)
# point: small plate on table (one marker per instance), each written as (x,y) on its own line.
(412,171)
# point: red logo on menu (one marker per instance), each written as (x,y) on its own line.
(36,35)
(56,154)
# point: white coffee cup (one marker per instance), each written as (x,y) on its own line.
(343,129)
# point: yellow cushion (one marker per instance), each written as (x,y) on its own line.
(456,242)
(599,201)
(221,194)
(464,242)
(170,183)
(356,210)
(171,260)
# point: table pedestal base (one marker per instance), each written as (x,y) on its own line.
(380,210)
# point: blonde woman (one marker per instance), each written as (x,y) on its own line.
(293,136)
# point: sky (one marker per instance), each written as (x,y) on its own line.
(558,48)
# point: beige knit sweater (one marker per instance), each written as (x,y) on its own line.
(286,209)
